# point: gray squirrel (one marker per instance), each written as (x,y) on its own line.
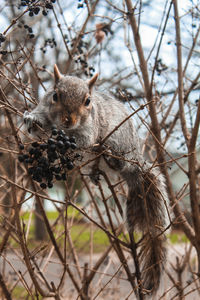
(74,106)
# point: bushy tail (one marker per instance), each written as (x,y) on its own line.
(146,212)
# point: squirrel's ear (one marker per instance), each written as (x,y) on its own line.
(92,81)
(57,74)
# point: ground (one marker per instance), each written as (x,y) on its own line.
(110,281)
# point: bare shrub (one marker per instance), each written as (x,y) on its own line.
(62,255)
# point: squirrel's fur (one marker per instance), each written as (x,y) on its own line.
(90,117)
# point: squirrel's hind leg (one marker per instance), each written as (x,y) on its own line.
(95,174)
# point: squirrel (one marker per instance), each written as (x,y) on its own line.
(92,117)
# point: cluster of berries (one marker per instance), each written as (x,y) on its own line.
(124,95)
(81,58)
(49,42)
(50,160)
(34,6)
(88,70)
(30,31)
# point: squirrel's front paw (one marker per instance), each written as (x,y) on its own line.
(30,121)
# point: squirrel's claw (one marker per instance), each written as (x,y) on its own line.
(30,121)
(25,116)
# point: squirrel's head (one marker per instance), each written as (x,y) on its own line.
(72,96)
(68,104)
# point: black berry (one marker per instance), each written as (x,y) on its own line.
(73,146)
(31,151)
(51,141)
(43,185)
(49,5)
(36,10)
(67,145)
(70,165)
(60,144)
(35,144)
(21,158)
(52,147)
(43,146)
(72,139)
(44,12)
(54,131)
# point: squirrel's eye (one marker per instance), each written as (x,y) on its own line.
(55,97)
(87,102)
